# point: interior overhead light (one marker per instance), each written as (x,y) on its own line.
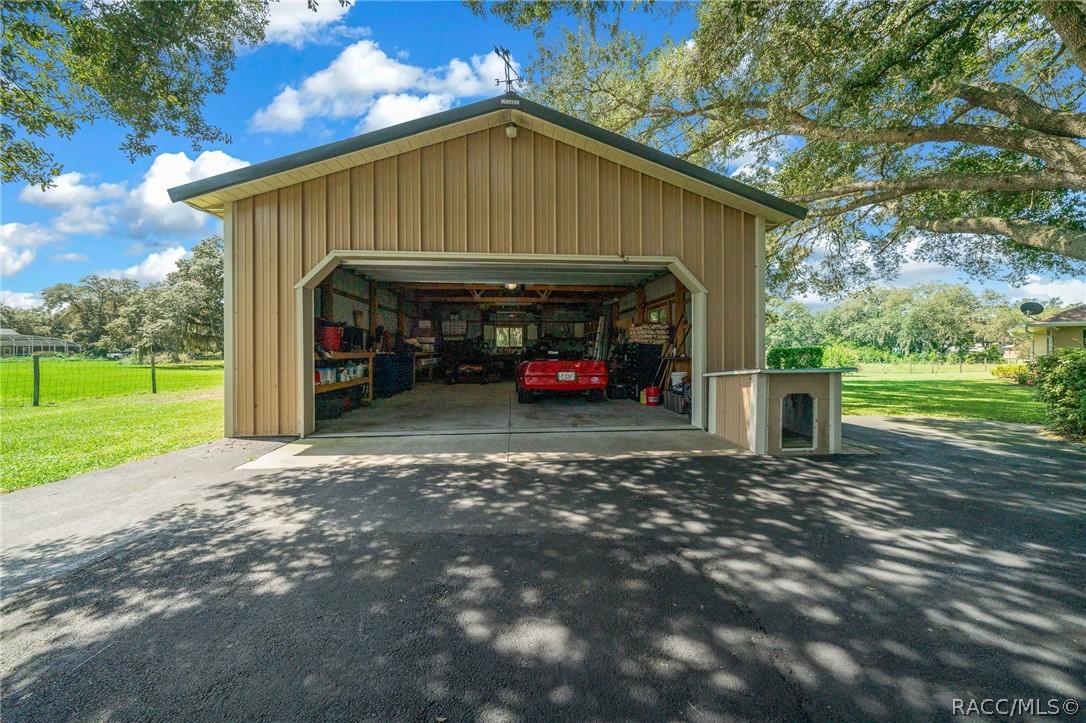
(511,130)
(511,287)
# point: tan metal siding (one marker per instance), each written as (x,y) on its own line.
(407,202)
(480,192)
(290,270)
(566,195)
(245,342)
(734,398)
(587,238)
(610,211)
(432,198)
(501,193)
(455,236)
(339,210)
(386,211)
(266,312)
(478,227)
(522,189)
(545,190)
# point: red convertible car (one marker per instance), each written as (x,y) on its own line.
(570,376)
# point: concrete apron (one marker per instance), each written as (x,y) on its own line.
(480,449)
(441,409)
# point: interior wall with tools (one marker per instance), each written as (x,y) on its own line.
(666,294)
(345,298)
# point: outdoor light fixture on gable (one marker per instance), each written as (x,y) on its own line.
(511,130)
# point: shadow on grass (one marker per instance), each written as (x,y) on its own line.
(701,588)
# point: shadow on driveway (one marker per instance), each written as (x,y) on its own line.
(707,588)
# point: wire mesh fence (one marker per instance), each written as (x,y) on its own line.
(61,379)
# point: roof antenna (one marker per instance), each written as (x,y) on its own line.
(511,76)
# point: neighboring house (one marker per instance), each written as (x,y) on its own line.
(502,197)
(12,343)
(1063,330)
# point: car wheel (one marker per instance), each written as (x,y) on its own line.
(524,397)
(595,395)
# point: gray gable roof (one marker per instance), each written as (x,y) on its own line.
(456,115)
(1075,313)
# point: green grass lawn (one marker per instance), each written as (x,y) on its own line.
(97,414)
(45,444)
(969,395)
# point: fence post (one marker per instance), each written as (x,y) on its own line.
(37,379)
(154,379)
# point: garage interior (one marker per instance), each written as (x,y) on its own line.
(402,349)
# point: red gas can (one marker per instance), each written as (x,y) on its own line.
(330,337)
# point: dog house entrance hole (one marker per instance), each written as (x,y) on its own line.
(797,421)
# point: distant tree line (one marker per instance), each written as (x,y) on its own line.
(936,320)
(181,315)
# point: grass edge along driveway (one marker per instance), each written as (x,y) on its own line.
(49,443)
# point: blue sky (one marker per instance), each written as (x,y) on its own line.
(319,77)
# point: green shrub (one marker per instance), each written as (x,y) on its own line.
(992,353)
(1019,373)
(839,357)
(1061,388)
(794,357)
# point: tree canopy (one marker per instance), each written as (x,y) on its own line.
(950,131)
(182,314)
(928,319)
(146,66)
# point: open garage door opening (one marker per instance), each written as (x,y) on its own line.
(402,348)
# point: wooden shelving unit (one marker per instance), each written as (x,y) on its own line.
(343,356)
(333,386)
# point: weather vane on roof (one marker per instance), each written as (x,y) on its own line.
(511,76)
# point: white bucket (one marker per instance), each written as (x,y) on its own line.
(677,378)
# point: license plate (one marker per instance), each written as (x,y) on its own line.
(567,376)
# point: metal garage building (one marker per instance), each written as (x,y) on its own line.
(504,190)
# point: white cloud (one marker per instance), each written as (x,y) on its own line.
(1072,291)
(921,272)
(68,190)
(19,299)
(68,258)
(153,268)
(391,109)
(363,75)
(292,23)
(90,220)
(12,261)
(82,207)
(87,209)
(148,207)
(19,244)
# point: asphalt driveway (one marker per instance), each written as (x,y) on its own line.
(713,587)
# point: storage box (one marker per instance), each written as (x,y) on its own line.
(675,402)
